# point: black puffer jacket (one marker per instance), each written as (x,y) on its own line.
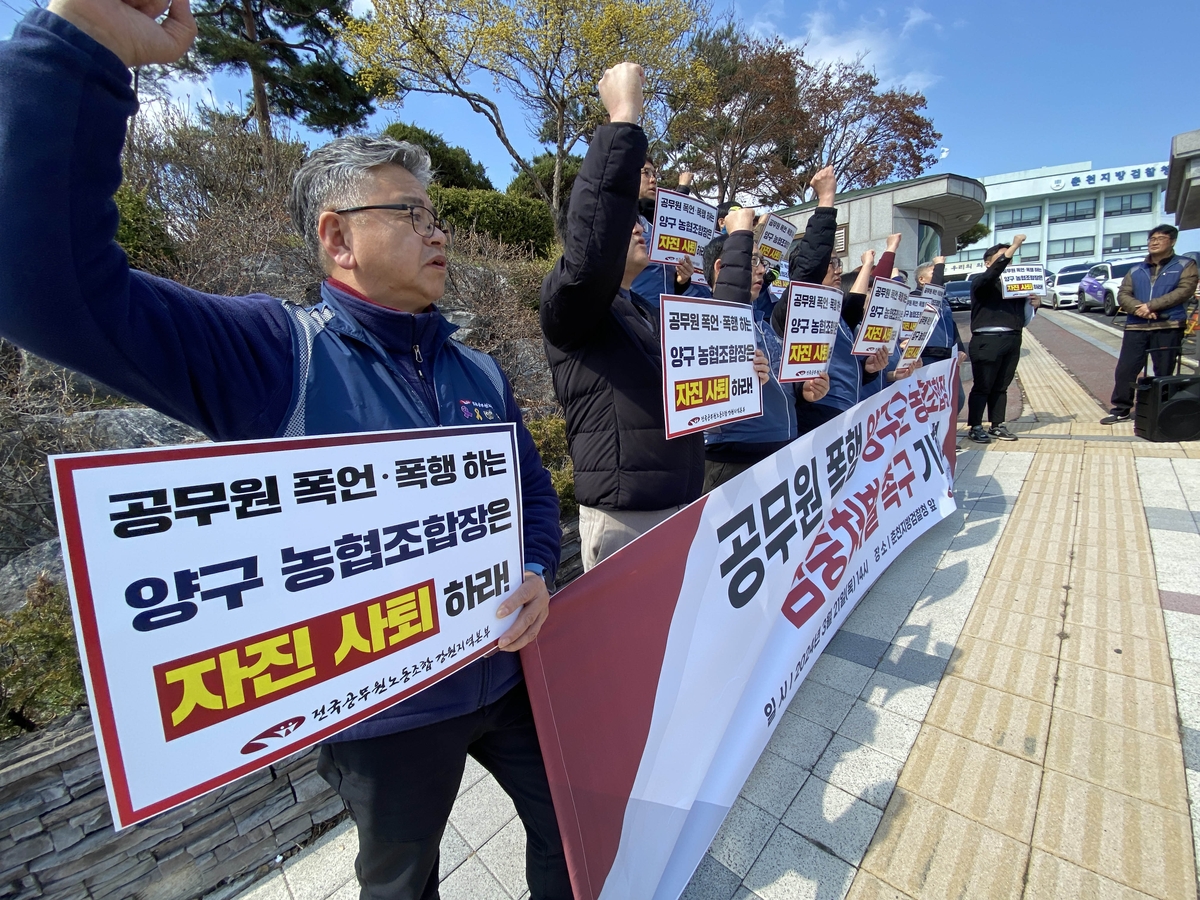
(604,349)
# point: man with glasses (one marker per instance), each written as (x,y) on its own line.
(658,278)
(374,354)
(1154,297)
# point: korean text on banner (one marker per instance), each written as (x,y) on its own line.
(735,598)
(1021,281)
(777,237)
(683,225)
(813,312)
(885,311)
(708,364)
(934,293)
(239,602)
(920,335)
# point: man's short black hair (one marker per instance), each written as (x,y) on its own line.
(711,253)
(1169,230)
(992,251)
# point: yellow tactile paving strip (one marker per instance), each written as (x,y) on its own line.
(1050,765)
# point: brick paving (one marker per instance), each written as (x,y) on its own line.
(1012,711)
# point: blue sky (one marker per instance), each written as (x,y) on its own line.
(1100,80)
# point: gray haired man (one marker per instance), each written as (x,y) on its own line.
(375,354)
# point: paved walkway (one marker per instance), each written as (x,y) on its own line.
(1012,711)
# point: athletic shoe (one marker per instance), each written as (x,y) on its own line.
(978,435)
(1001,433)
(1115,418)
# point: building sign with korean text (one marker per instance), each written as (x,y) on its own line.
(1021,281)
(813,313)
(683,226)
(708,364)
(880,326)
(776,238)
(239,602)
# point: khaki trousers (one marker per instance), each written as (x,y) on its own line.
(602,532)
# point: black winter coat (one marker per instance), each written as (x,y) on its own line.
(604,347)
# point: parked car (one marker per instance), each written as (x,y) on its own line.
(958,294)
(1062,290)
(1100,285)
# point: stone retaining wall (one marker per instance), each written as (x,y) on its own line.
(57,839)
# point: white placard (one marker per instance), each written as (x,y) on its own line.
(810,330)
(708,364)
(777,237)
(934,293)
(682,225)
(912,314)
(1021,281)
(239,602)
(921,334)
(885,311)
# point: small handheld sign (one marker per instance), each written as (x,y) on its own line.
(708,364)
(885,312)
(921,334)
(777,237)
(813,312)
(682,226)
(1021,281)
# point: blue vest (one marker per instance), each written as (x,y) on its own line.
(350,384)
(1168,279)
(845,372)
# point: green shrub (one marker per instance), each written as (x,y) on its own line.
(141,233)
(452,166)
(40,676)
(513,220)
(550,435)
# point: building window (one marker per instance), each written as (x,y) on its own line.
(1129,242)
(1072,211)
(1019,218)
(1029,252)
(841,239)
(1127,204)
(1068,247)
(929,242)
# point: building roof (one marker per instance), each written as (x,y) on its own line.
(892,186)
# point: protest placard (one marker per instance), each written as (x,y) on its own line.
(934,293)
(649,730)
(708,364)
(913,309)
(810,329)
(682,226)
(920,334)
(239,602)
(1021,281)
(880,326)
(776,238)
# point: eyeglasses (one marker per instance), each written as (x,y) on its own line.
(1159,237)
(424,220)
(757,261)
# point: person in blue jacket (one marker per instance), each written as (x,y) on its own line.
(731,449)
(374,354)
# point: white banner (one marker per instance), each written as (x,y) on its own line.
(813,312)
(683,225)
(239,602)
(708,356)
(735,598)
(1021,281)
(777,237)
(880,326)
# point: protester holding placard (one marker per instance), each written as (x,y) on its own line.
(945,338)
(995,349)
(847,373)
(810,257)
(374,354)
(603,342)
(660,278)
(731,449)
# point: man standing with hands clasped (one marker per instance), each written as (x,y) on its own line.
(1154,298)
(995,348)
(374,354)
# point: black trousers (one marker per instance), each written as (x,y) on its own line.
(1162,345)
(400,789)
(994,358)
(717,473)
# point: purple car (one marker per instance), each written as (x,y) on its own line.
(1100,285)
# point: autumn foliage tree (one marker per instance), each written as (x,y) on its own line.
(546,54)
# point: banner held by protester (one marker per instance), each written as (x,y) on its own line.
(683,226)
(881,325)
(650,730)
(238,602)
(813,313)
(709,378)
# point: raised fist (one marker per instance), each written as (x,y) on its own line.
(621,91)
